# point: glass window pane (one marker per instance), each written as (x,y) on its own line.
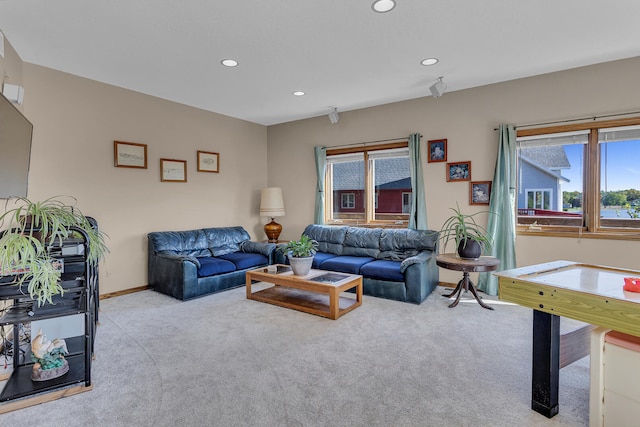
(550,179)
(392,180)
(619,178)
(347,187)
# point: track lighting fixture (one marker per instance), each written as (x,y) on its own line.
(438,88)
(333,116)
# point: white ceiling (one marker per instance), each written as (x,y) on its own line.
(339,52)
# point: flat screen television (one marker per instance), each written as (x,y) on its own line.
(15,150)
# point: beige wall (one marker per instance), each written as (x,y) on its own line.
(75,123)
(467,119)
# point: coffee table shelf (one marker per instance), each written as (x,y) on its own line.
(303,293)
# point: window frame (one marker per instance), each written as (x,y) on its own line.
(370,202)
(350,199)
(591,224)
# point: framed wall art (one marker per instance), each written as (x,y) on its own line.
(208,162)
(479,192)
(172,170)
(459,171)
(129,155)
(437,150)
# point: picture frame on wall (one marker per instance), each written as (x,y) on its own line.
(208,161)
(479,192)
(172,170)
(129,155)
(437,150)
(459,171)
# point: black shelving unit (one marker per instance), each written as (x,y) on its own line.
(79,279)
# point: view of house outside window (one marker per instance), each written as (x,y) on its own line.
(553,190)
(378,193)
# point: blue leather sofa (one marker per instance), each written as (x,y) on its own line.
(192,263)
(398,264)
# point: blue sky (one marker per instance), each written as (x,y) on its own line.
(623,166)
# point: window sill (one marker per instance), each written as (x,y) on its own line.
(608,235)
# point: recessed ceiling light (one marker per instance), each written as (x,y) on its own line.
(429,61)
(382,6)
(229,62)
(299,93)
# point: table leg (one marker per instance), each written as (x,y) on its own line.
(455,290)
(461,286)
(472,288)
(546,363)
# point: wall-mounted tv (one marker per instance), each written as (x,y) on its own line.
(15,150)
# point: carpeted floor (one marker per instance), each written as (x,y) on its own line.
(223,360)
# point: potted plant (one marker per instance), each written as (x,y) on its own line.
(29,231)
(300,254)
(470,237)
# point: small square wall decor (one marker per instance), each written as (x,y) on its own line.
(437,150)
(479,192)
(129,155)
(459,171)
(208,162)
(172,170)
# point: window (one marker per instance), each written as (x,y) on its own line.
(348,200)
(370,185)
(580,177)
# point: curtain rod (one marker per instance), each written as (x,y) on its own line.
(404,138)
(576,120)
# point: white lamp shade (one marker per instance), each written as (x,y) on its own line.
(271,202)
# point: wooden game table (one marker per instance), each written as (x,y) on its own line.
(589,293)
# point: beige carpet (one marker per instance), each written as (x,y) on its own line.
(222,360)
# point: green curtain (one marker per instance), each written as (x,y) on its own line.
(418,217)
(501,223)
(321,160)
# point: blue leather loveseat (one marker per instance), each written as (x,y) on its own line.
(398,264)
(192,263)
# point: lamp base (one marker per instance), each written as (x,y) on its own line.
(272,230)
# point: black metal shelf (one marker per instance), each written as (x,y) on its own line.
(20,385)
(80,283)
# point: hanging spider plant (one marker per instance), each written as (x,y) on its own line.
(30,229)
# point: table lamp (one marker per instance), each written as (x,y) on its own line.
(272,205)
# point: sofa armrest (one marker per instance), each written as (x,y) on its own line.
(179,258)
(262,248)
(173,274)
(421,258)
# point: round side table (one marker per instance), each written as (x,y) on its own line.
(453,262)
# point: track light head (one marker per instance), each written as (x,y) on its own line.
(333,116)
(437,89)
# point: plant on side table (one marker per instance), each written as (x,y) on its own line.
(470,237)
(29,231)
(300,254)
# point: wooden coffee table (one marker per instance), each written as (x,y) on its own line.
(316,293)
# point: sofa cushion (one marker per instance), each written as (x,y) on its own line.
(244,260)
(362,242)
(383,270)
(186,243)
(345,264)
(330,238)
(210,266)
(400,243)
(225,240)
(321,257)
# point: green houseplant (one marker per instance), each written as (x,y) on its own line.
(29,230)
(470,238)
(300,253)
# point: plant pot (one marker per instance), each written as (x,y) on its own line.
(469,249)
(301,265)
